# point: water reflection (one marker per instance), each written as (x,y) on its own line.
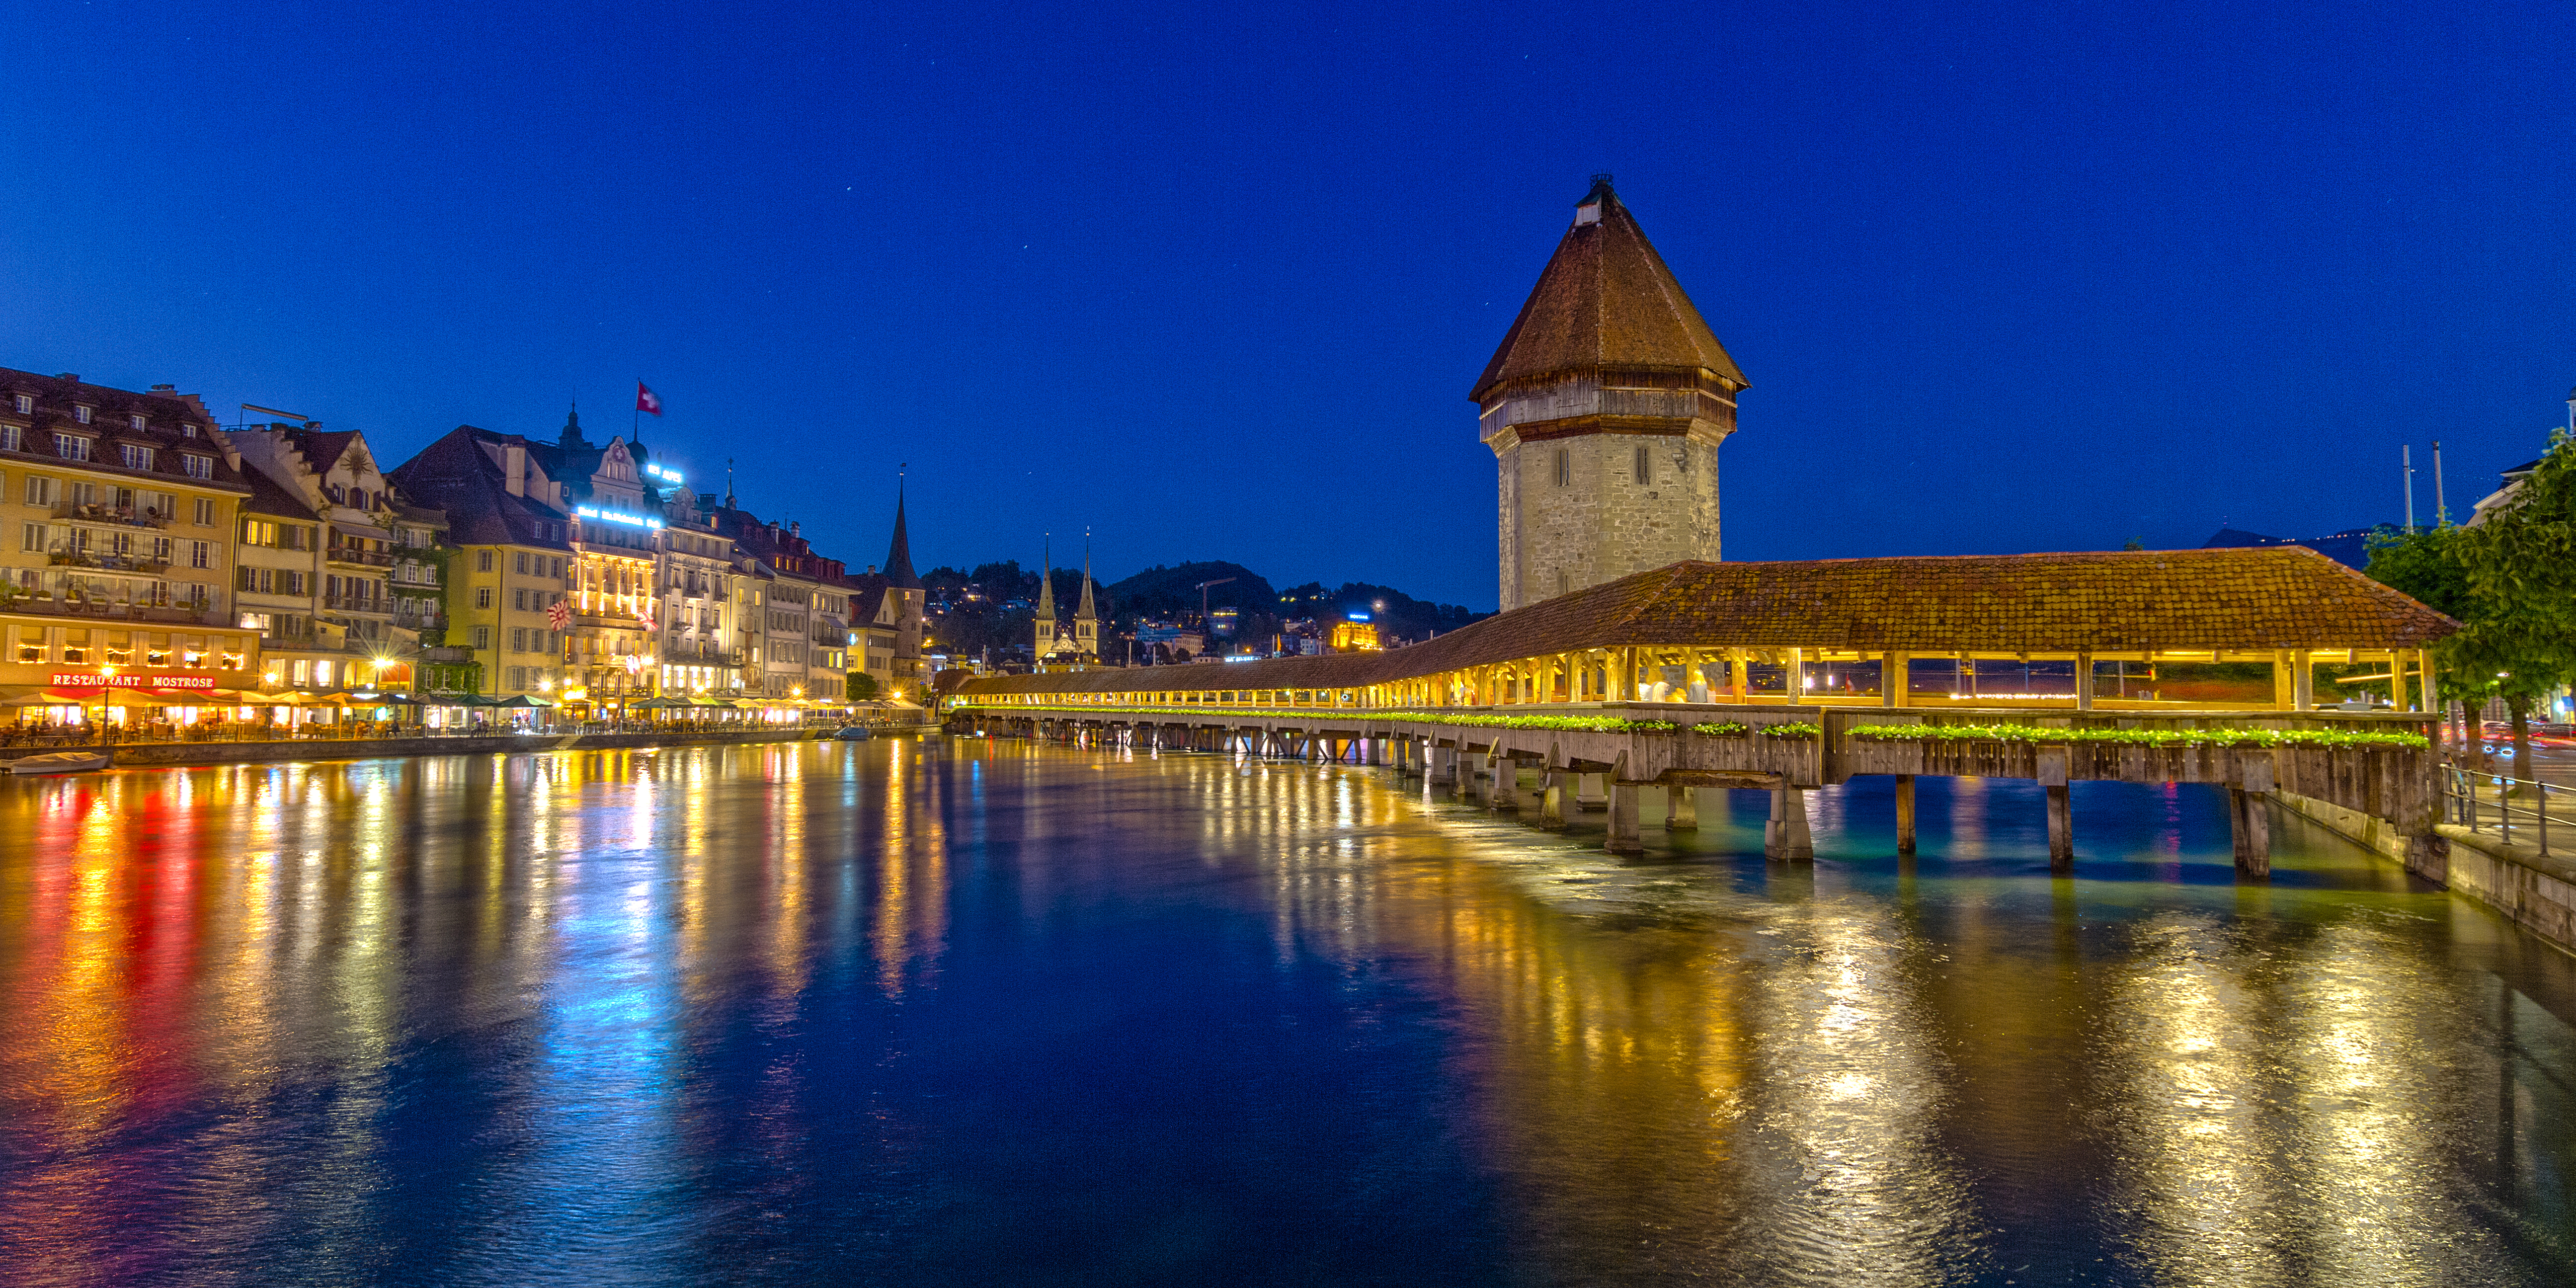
(1000,1011)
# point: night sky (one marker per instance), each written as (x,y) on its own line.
(1215,280)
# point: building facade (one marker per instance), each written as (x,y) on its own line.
(119,510)
(1604,406)
(509,560)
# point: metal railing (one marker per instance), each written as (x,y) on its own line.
(2482,800)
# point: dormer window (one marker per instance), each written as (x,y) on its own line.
(137,422)
(187,431)
(80,412)
(137,458)
(25,403)
(197,467)
(71,447)
(1587,213)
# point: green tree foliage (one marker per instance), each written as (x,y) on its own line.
(863,686)
(2511,583)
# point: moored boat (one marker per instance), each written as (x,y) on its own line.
(59,762)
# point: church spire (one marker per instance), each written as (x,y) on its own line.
(898,564)
(1085,614)
(571,439)
(1046,623)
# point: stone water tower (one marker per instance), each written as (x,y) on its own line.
(1605,406)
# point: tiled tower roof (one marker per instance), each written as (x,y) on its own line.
(1605,300)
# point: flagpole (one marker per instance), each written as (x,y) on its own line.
(638,426)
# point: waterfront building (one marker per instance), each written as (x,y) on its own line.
(1604,407)
(510,558)
(887,617)
(789,579)
(1355,633)
(324,584)
(119,508)
(611,630)
(703,651)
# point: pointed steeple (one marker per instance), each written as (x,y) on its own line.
(1085,614)
(1606,300)
(729,483)
(898,563)
(1046,585)
(570,438)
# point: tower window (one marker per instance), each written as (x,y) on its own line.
(1564,468)
(1645,465)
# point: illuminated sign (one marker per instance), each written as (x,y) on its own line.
(667,476)
(611,516)
(154,683)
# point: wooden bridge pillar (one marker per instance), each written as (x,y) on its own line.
(1506,791)
(2061,832)
(1905,813)
(1785,836)
(1591,793)
(1624,837)
(2249,816)
(1551,800)
(1681,808)
(2061,819)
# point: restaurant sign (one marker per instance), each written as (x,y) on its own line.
(150,682)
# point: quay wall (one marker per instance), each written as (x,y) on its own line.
(174,755)
(2532,890)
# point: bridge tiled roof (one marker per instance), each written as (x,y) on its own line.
(2248,600)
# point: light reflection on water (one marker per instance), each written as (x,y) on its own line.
(999,1012)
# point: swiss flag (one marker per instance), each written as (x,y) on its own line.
(646,399)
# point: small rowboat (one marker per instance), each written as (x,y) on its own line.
(59,762)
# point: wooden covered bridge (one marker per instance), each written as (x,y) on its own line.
(1791,676)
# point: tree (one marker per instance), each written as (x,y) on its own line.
(863,686)
(2511,584)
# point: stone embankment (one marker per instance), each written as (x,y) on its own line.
(2533,890)
(172,755)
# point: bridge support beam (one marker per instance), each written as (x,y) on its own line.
(1785,836)
(1551,809)
(1905,813)
(1505,794)
(2061,832)
(1681,808)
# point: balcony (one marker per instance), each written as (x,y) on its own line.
(358,604)
(356,558)
(126,516)
(177,614)
(108,562)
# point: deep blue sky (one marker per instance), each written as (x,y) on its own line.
(1215,280)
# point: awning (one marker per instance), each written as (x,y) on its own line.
(660,704)
(718,703)
(457,700)
(521,701)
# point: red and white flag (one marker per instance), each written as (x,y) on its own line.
(647,400)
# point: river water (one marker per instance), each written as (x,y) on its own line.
(993,1012)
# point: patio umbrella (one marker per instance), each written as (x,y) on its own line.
(659,704)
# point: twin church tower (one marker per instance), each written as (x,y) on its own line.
(1605,406)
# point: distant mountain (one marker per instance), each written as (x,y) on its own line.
(1159,591)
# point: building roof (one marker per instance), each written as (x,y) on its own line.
(2252,600)
(272,498)
(1605,300)
(458,476)
(164,413)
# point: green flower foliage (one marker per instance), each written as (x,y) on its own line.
(1572,724)
(1729,729)
(2138,737)
(1794,729)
